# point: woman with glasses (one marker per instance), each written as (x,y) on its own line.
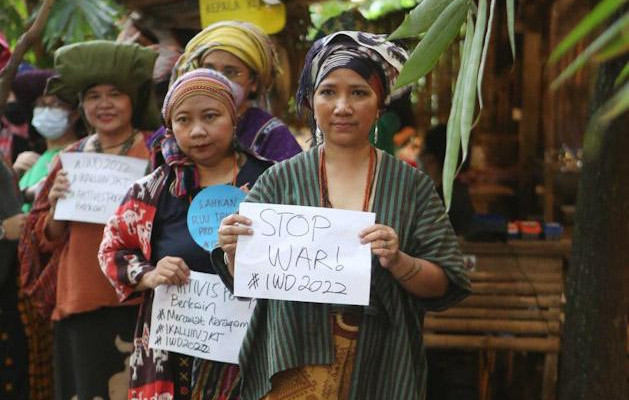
(304,350)
(246,56)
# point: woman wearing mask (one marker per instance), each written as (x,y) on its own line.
(56,120)
(60,271)
(200,112)
(246,56)
(302,350)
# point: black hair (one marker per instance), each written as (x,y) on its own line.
(435,145)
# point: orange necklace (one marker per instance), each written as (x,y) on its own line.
(323,180)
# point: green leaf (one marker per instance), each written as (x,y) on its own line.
(419,19)
(617,105)
(483,59)
(608,35)
(437,39)
(618,47)
(511,25)
(596,17)
(622,76)
(453,135)
(468,102)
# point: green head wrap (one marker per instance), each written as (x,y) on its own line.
(129,67)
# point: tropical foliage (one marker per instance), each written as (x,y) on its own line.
(370,9)
(436,24)
(70,21)
(612,42)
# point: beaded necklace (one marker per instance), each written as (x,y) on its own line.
(126,144)
(323,180)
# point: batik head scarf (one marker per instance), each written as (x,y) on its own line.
(374,58)
(203,82)
(127,66)
(243,40)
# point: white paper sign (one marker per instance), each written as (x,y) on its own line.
(306,254)
(98,183)
(200,319)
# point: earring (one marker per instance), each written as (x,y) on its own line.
(318,135)
(375,134)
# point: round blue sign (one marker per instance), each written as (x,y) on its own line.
(207,210)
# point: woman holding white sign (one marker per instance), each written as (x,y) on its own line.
(60,272)
(148,242)
(305,350)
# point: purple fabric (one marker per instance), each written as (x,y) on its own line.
(266,135)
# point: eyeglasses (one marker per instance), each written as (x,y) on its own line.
(51,104)
(229,72)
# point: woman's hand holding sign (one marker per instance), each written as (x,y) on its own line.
(231,227)
(420,277)
(384,244)
(168,271)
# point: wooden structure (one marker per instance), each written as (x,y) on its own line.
(523,124)
(516,305)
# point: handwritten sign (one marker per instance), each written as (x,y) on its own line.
(201,319)
(270,16)
(98,183)
(307,254)
(207,210)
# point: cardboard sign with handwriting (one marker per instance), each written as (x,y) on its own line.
(98,183)
(201,319)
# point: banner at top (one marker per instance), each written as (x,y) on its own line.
(270,18)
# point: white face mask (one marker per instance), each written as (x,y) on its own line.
(50,122)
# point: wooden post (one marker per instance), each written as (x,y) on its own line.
(530,123)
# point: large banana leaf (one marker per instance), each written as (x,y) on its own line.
(78,20)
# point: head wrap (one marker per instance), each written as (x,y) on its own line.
(201,81)
(204,82)
(377,60)
(30,84)
(244,40)
(129,67)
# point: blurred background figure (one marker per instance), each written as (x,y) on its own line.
(143,31)
(432,158)
(13,346)
(59,123)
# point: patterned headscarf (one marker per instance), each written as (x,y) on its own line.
(377,60)
(244,40)
(201,81)
(204,82)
